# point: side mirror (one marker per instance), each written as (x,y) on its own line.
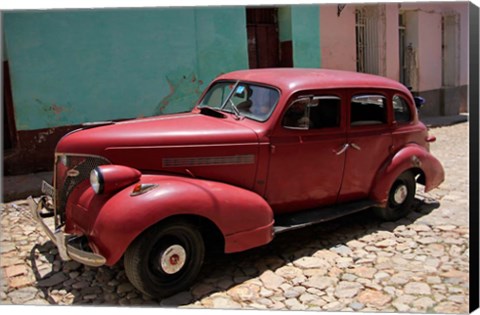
(419,101)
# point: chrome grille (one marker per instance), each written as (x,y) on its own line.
(67,177)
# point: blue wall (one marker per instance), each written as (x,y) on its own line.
(69,67)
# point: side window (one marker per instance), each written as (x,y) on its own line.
(368,110)
(313,113)
(296,116)
(325,112)
(401,109)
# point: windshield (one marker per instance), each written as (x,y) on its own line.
(249,100)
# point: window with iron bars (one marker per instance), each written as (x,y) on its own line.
(366,30)
(360,22)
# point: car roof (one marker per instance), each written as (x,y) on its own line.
(295,79)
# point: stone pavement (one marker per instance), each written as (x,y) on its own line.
(356,263)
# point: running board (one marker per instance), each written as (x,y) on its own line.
(288,222)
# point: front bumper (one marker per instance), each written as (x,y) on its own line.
(61,240)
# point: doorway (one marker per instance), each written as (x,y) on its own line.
(263,38)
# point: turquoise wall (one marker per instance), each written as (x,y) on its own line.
(70,67)
(306,36)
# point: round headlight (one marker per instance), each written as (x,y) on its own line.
(96,181)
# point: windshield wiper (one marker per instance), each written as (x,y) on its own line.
(235,110)
(229,101)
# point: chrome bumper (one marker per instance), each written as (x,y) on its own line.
(60,239)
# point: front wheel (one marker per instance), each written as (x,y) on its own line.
(400,198)
(165,259)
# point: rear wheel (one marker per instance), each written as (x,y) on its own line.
(165,259)
(400,198)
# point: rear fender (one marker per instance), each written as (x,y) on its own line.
(412,157)
(243,217)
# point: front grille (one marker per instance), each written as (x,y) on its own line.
(67,177)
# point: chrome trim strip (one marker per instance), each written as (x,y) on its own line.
(82,155)
(209,160)
(188,146)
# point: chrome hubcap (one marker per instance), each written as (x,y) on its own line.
(173,259)
(400,194)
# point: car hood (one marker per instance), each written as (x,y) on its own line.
(163,131)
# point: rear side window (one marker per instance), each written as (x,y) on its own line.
(368,109)
(313,113)
(401,109)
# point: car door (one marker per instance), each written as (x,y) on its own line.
(369,142)
(305,170)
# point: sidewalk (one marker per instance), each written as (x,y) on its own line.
(442,121)
(22,186)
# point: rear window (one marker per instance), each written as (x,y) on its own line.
(401,109)
(368,109)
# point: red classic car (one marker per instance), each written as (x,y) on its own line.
(263,152)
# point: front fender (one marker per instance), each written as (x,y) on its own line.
(411,157)
(113,222)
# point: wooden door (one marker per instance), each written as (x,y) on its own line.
(263,42)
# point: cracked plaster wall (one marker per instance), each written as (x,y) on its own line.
(69,67)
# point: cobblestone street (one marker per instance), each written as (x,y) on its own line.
(357,263)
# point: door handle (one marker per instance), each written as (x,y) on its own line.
(356,147)
(343,149)
(346,146)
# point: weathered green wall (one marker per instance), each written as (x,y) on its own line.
(306,36)
(69,67)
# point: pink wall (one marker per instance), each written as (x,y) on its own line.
(424,31)
(430,51)
(337,37)
(392,65)
(338,43)
(432,35)
(424,34)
